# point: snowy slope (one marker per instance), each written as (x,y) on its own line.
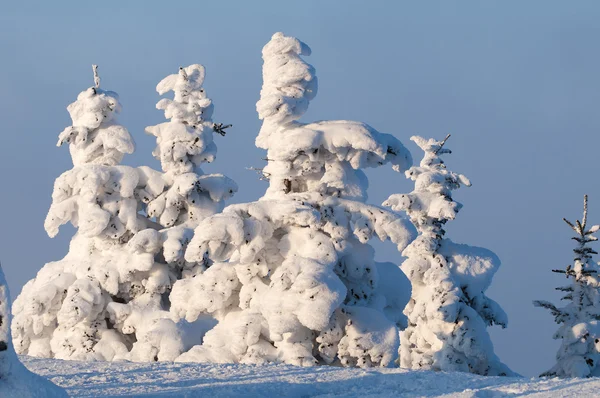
(190,380)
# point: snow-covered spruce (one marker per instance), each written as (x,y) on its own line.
(15,379)
(448,312)
(106,299)
(290,278)
(579,320)
(183,144)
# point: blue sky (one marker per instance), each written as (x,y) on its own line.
(516,83)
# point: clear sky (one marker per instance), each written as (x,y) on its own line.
(516,83)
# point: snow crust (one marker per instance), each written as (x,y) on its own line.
(448,311)
(101,379)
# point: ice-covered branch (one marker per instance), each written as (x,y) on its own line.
(441,145)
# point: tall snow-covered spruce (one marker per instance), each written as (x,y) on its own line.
(180,197)
(15,379)
(106,299)
(579,320)
(290,278)
(448,312)
(183,144)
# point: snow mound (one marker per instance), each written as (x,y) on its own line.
(15,379)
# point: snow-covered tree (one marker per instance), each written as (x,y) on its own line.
(106,299)
(183,144)
(448,312)
(290,278)
(185,196)
(15,379)
(579,320)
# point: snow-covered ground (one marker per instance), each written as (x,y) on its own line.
(100,379)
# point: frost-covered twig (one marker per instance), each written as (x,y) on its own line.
(585,211)
(96,76)
(545,304)
(263,176)
(442,144)
(219,128)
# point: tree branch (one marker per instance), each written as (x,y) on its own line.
(442,144)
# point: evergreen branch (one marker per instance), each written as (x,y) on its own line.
(585,240)
(584,250)
(584,254)
(564,288)
(219,128)
(588,272)
(548,305)
(568,272)
(585,211)
(441,144)
(262,176)
(594,228)
(579,229)
(570,224)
